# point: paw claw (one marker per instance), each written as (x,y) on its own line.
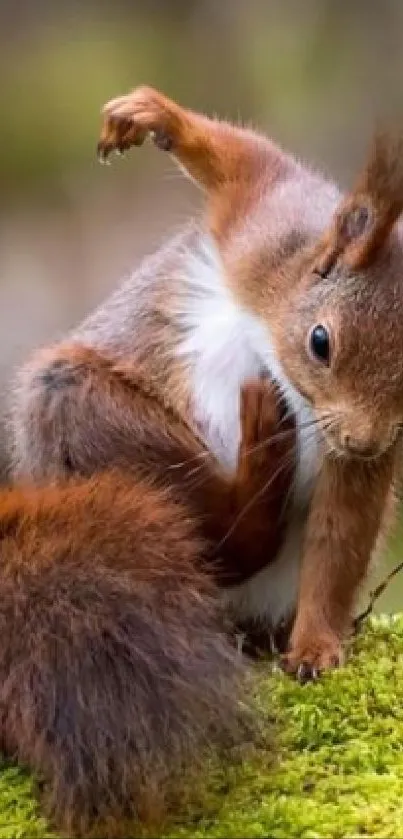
(128,120)
(103,154)
(307,673)
(307,661)
(162,140)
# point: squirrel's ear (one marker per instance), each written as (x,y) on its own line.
(368,213)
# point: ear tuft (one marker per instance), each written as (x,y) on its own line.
(382,179)
(368,213)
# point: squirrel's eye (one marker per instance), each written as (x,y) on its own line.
(319,344)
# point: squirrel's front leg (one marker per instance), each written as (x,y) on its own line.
(213,153)
(345,520)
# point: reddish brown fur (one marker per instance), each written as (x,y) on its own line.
(343,269)
(115,670)
(213,152)
(233,165)
(341,534)
(102,414)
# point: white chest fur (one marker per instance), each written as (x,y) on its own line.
(223,346)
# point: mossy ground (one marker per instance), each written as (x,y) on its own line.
(338,770)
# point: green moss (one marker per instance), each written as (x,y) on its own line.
(338,769)
(19,812)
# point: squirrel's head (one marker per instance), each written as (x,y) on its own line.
(338,328)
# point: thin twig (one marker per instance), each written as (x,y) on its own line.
(374,596)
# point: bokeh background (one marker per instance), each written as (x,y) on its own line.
(315,74)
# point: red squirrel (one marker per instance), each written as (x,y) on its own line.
(286,289)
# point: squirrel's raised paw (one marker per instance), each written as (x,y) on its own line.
(268,429)
(129,119)
(307,661)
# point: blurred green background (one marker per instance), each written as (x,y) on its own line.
(314,74)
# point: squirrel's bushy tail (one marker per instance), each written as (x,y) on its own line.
(114,667)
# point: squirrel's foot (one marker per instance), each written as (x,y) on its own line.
(308,658)
(129,119)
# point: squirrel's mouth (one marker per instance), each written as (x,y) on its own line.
(346,442)
(354,452)
(346,453)
(342,438)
